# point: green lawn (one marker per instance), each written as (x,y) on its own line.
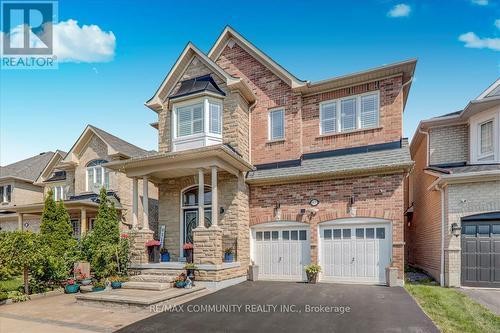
(12,284)
(453,311)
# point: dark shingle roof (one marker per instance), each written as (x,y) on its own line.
(121,146)
(28,169)
(344,164)
(197,85)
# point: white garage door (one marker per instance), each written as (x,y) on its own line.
(280,253)
(355,253)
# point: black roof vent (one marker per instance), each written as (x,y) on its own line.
(197,85)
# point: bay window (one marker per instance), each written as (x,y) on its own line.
(196,123)
(5,193)
(349,114)
(97,176)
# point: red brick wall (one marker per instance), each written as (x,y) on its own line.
(302,113)
(378,196)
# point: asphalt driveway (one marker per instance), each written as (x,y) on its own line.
(490,298)
(293,307)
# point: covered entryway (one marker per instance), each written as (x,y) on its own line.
(281,250)
(481,250)
(355,250)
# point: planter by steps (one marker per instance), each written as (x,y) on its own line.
(116,284)
(71,288)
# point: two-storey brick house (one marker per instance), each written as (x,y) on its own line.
(454,194)
(76,178)
(283,171)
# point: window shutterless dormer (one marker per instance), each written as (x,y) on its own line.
(485,137)
(197,113)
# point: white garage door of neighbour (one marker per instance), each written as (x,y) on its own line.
(355,253)
(281,254)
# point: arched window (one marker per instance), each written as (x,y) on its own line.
(189,207)
(97,176)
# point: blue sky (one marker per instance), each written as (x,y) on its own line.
(111,69)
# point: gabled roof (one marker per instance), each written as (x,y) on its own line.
(229,34)
(491,91)
(27,170)
(49,167)
(190,51)
(115,145)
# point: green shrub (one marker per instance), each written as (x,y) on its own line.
(17,296)
(313,268)
(3,295)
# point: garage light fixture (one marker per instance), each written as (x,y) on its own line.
(455,229)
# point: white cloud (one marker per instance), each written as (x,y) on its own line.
(497,23)
(480,2)
(474,41)
(74,43)
(401,10)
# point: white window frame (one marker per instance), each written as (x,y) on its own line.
(489,154)
(94,176)
(475,122)
(269,125)
(4,199)
(338,111)
(58,192)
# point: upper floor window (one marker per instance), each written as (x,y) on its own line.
(58,193)
(196,123)
(350,113)
(5,193)
(486,139)
(277,124)
(97,176)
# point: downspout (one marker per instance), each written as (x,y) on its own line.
(443,228)
(427,143)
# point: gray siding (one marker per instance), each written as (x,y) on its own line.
(449,144)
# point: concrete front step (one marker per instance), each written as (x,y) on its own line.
(163,272)
(153,278)
(136,300)
(141,285)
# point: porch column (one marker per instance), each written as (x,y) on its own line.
(83,221)
(20,222)
(215,197)
(135,202)
(145,203)
(201,199)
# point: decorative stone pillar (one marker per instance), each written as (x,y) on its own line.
(138,252)
(135,203)
(207,245)
(201,199)
(20,217)
(83,221)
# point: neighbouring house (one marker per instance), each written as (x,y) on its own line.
(284,172)
(77,177)
(453,229)
(18,187)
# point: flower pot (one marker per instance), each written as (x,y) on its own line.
(180,284)
(85,282)
(98,288)
(116,284)
(228,257)
(312,277)
(165,257)
(71,288)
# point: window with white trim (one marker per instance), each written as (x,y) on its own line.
(277,124)
(58,193)
(189,120)
(486,139)
(5,193)
(350,113)
(97,176)
(215,118)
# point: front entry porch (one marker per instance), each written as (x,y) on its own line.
(205,184)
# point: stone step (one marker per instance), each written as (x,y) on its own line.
(167,271)
(153,278)
(139,300)
(145,285)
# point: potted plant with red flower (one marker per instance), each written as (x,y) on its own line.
(153,250)
(71,287)
(188,251)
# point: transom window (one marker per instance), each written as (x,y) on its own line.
(285,235)
(350,113)
(277,124)
(5,193)
(58,193)
(358,233)
(97,176)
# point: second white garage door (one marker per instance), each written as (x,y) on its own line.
(357,253)
(281,253)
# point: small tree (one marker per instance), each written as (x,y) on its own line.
(106,225)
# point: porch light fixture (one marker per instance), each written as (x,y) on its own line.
(455,230)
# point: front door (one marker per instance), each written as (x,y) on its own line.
(191,221)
